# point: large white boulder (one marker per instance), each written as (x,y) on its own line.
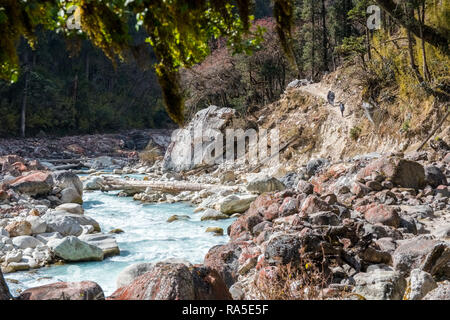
(206,124)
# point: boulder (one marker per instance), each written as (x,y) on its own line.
(282,249)
(33,184)
(46,237)
(305,187)
(228,177)
(434,176)
(314,165)
(380,285)
(211,214)
(199,132)
(104,241)
(266,184)
(95,183)
(313,204)
(175,281)
(288,207)
(420,283)
(71,208)
(73,249)
(216,230)
(64,225)
(104,162)
(386,215)
(24,242)
(417,252)
(13,256)
(402,172)
(19,228)
(38,225)
(235,203)
(130,273)
(70,195)
(176,217)
(68,223)
(85,290)
(359,190)
(67,179)
(442,292)
(419,212)
(225,260)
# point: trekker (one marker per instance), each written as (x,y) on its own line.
(342,107)
(330,97)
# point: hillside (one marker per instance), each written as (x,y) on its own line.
(326,134)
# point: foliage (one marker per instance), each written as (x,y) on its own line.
(355,132)
(81,94)
(240,81)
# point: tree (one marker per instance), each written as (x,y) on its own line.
(179,32)
(429,34)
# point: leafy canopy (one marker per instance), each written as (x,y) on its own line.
(178,31)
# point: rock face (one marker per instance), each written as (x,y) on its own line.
(4,291)
(380,285)
(35,183)
(85,290)
(73,249)
(266,184)
(175,281)
(402,172)
(104,241)
(201,131)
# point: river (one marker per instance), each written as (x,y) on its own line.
(148,237)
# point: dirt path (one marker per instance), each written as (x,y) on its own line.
(320,91)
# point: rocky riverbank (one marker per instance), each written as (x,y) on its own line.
(375,226)
(42,220)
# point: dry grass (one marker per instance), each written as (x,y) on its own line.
(305,280)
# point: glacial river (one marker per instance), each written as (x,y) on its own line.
(148,237)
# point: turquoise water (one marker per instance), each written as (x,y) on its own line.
(147,238)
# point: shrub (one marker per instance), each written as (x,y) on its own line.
(355,132)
